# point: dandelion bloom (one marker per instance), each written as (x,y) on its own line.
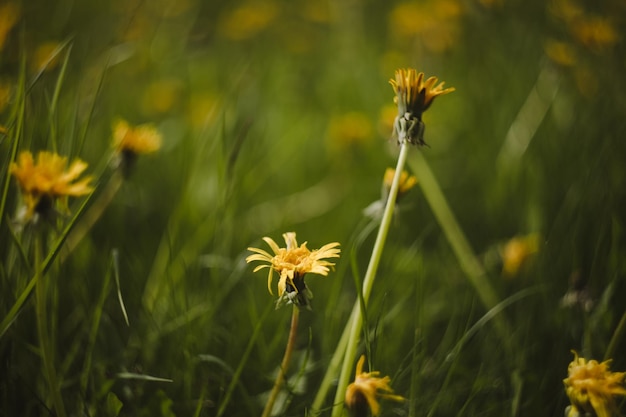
(591,387)
(292,263)
(135,139)
(517,251)
(366,389)
(47,180)
(413,97)
(406,181)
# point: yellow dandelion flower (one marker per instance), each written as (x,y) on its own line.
(46,181)
(517,251)
(131,141)
(561,53)
(591,387)
(413,97)
(135,139)
(9,16)
(367,389)
(248,20)
(292,263)
(350,130)
(407,181)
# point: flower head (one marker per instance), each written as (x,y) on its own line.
(366,389)
(517,251)
(590,387)
(131,141)
(375,210)
(407,181)
(292,263)
(47,181)
(413,97)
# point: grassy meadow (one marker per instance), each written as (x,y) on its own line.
(276,116)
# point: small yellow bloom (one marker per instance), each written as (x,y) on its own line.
(406,181)
(367,388)
(47,180)
(135,139)
(517,251)
(591,387)
(9,16)
(413,97)
(292,263)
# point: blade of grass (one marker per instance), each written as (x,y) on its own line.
(93,332)
(20,108)
(244,359)
(116,273)
(52,113)
(45,265)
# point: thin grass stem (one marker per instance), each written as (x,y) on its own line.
(280,379)
(41,292)
(368,282)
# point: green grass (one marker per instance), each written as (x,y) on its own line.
(154,310)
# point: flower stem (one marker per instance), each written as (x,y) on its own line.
(368,282)
(41,291)
(280,379)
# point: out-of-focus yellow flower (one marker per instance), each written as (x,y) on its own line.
(586,81)
(413,97)
(407,181)
(591,387)
(131,141)
(366,390)
(596,33)
(5,94)
(135,139)
(561,53)
(349,130)
(46,56)
(47,181)
(162,95)
(9,15)
(437,23)
(202,109)
(516,252)
(292,263)
(247,20)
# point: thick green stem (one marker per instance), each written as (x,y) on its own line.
(45,345)
(368,282)
(280,379)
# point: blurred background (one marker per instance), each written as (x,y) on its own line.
(276,116)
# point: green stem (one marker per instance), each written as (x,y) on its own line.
(368,283)
(47,355)
(280,379)
(619,332)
